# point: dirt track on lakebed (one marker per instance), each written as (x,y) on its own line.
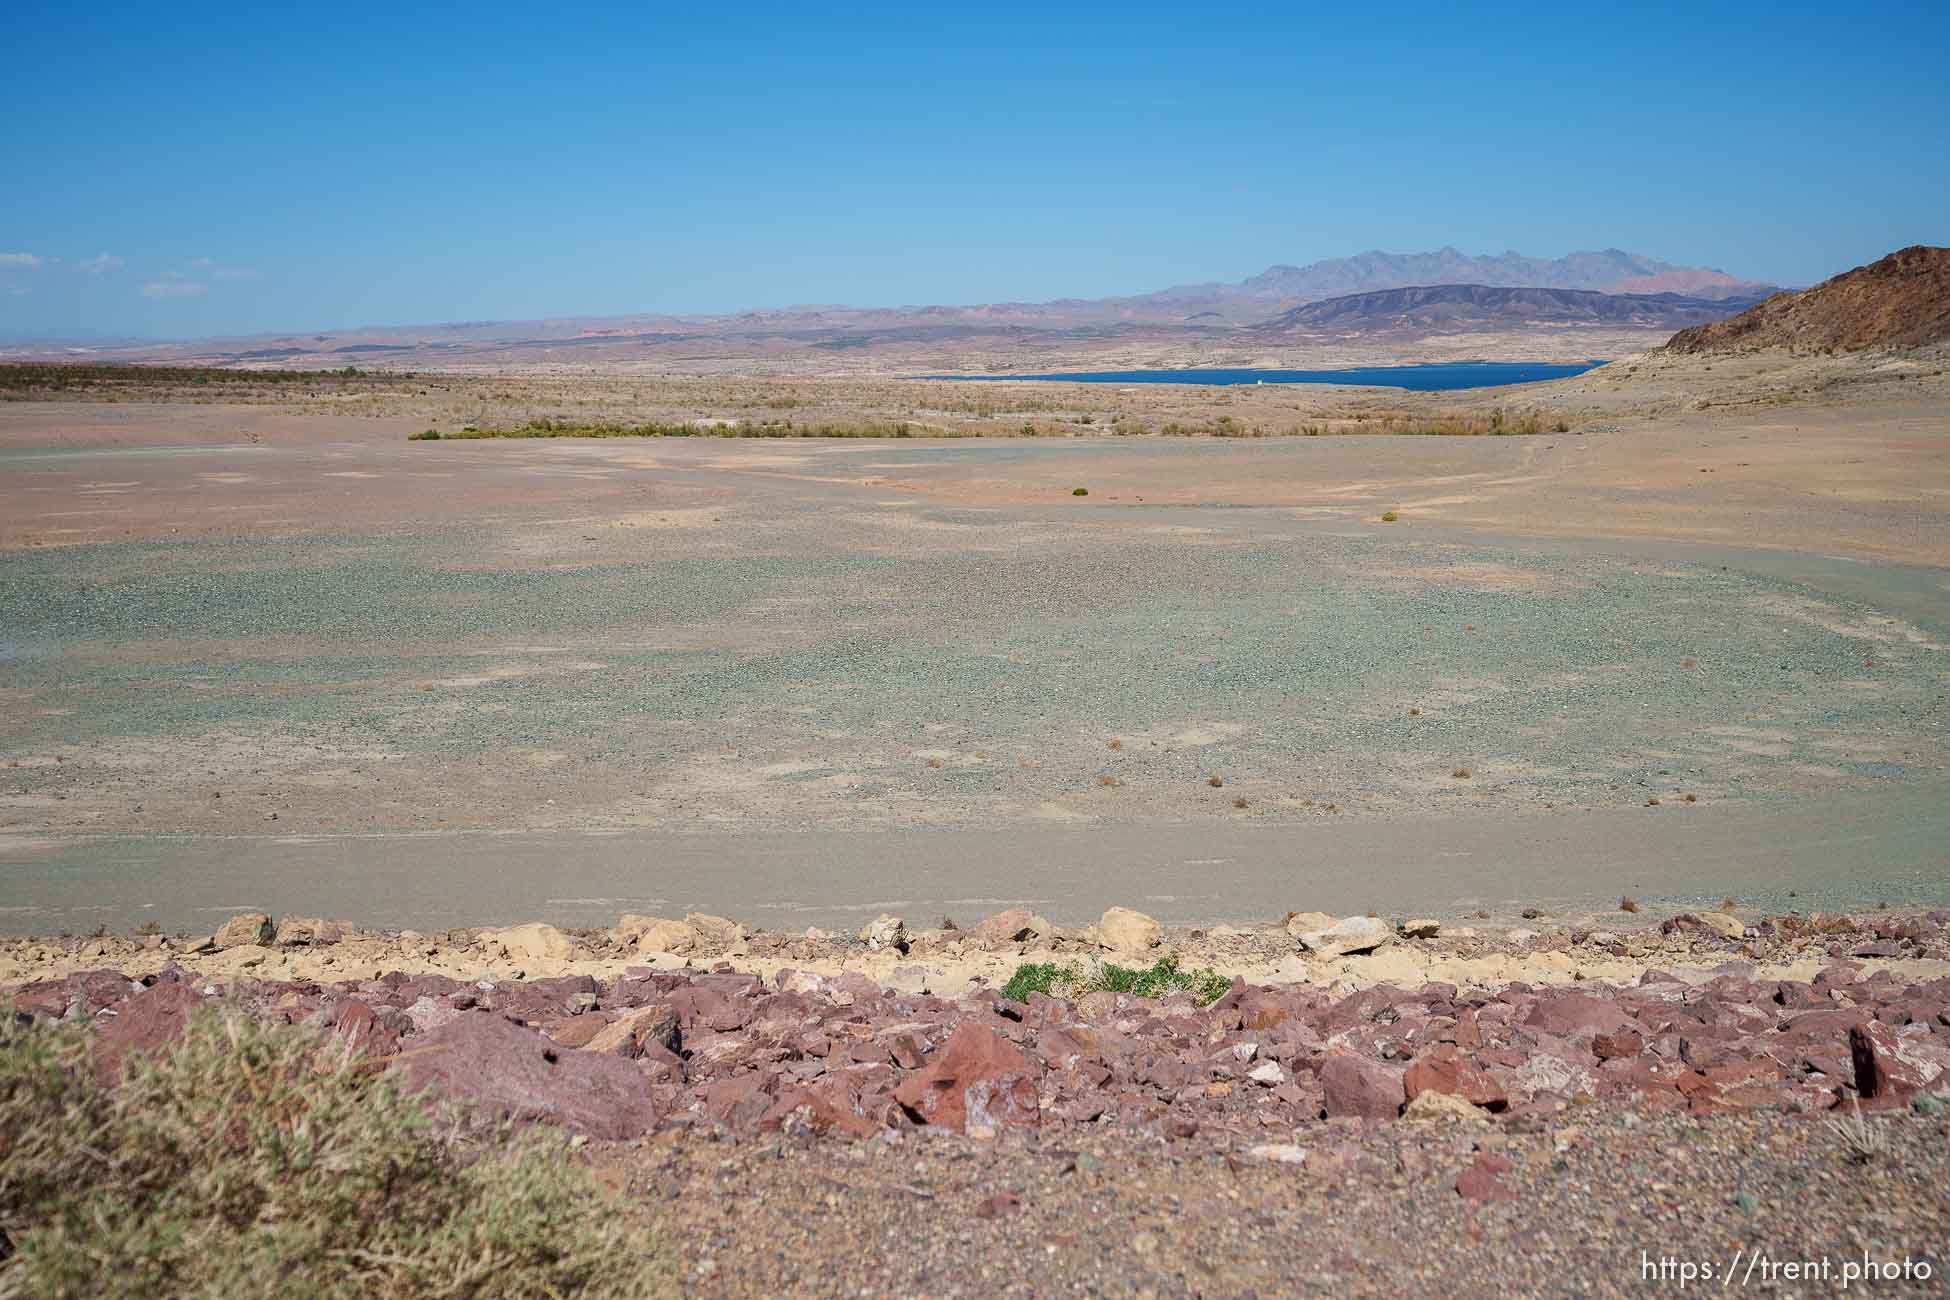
(366,638)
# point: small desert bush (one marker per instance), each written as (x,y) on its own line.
(1072,981)
(252,1160)
(1389,516)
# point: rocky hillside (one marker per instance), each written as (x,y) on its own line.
(1902,301)
(1447,307)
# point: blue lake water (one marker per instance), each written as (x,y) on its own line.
(1432,378)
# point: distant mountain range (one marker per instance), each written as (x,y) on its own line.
(1451,307)
(1609,271)
(1394,295)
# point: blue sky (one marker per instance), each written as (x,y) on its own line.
(187,170)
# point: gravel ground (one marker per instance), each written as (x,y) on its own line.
(1373,1210)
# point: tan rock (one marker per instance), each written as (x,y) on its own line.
(535,941)
(243,928)
(659,935)
(1727,927)
(634,1030)
(1422,928)
(716,929)
(1123,930)
(1442,1108)
(884,931)
(308,931)
(1302,922)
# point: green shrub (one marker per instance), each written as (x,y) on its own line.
(427,435)
(1163,977)
(1079,492)
(252,1160)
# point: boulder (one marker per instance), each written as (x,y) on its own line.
(244,928)
(1442,1108)
(308,931)
(1445,1069)
(1576,1015)
(1124,930)
(1300,923)
(1727,927)
(977,1081)
(487,1062)
(635,1030)
(146,1023)
(884,931)
(1422,928)
(716,929)
(1884,1069)
(535,941)
(1355,934)
(1355,1086)
(1013,925)
(657,935)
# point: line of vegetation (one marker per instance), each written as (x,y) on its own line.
(546,428)
(255,1160)
(1072,981)
(60,377)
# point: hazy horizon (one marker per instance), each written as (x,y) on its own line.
(397,169)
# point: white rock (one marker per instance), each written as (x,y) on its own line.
(1267,1074)
(1284,1153)
(1355,934)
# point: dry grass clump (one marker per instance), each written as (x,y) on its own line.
(252,1160)
(1215,781)
(1462,774)
(1628,904)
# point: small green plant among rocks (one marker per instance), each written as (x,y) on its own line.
(1073,981)
(256,1160)
(1389,516)
(1079,492)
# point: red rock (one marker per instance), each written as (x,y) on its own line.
(1354,1085)
(1468,1035)
(1479,1182)
(1009,926)
(146,1023)
(1445,1069)
(575,1031)
(1883,1070)
(482,1059)
(1263,1009)
(355,1024)
(821,1110)
(740,1101)
(1623,1043)
(1576,1015)
(976,1080)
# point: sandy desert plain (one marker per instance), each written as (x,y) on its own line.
(262,650)
(1220,655)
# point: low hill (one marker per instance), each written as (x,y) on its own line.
(1902,301)
(1446,307)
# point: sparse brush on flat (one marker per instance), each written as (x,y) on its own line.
(1073,981)
(253,1160)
